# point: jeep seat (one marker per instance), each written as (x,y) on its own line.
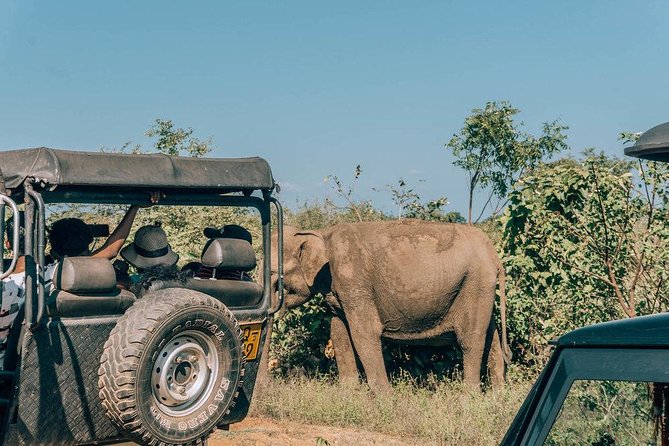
(229,254)
(86,286)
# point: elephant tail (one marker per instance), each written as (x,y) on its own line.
(501,277)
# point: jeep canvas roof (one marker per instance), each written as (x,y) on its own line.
(652,145)
(71,169)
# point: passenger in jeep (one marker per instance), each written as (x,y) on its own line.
(68,237)
(9,231)
(227,231)
(154,260)
(13,286)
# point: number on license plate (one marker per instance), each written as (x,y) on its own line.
(251,340)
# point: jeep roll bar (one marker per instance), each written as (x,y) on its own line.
(31,199)
(279,219)
(6,201)
(35,239)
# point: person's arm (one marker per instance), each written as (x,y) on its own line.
(115,241)
(20,265)
(110,248)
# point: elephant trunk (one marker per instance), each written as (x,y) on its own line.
(501,276)
(295,299)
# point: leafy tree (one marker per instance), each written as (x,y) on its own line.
(627,137)
(433,211)
(495,153)
(585,241)
(171,141)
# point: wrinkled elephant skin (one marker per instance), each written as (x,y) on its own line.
(408,281)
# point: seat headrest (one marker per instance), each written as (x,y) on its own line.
(229,253)
(81,275)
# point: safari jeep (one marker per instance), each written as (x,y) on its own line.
(95,364)
(609,368)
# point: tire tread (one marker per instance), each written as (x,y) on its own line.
(125,345)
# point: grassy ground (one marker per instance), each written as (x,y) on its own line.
(441,412)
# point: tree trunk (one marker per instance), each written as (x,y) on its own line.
(471,199)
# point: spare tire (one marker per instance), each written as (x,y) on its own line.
(171,368)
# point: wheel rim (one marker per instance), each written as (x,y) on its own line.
(184,373)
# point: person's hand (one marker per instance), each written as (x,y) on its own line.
(154,199)
(156,196)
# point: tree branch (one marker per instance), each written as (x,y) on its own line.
(584,271)
(603,214)
(630,312)
(651,201)
(492,192)
(635,279)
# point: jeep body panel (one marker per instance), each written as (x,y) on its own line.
(627,350)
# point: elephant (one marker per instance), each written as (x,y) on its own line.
(407,281)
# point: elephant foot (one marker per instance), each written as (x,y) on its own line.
(349,381)
(380,388)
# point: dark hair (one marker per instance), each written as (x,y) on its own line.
(157,275)
(191,268)
(70,237)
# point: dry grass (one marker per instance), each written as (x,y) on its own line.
(445,413)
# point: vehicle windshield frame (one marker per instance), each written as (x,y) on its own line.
(35,197)
(542,406)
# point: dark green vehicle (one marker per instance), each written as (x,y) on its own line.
(595,388)
(95,364)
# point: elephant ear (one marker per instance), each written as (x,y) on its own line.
(311,254)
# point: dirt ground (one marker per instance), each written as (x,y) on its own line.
(266,432)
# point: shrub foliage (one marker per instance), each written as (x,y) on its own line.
(584,242)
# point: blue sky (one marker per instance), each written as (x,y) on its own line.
(319,87)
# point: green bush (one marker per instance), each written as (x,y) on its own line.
(603,413)
(299,340)
(584,242)
(318,215)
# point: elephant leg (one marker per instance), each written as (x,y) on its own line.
(472,359)
(344,353)
(473,314)
(496,366)
(263,377)
(365,329)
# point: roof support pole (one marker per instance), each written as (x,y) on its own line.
(15,235)
(279,224)
(40,247)
(31,269)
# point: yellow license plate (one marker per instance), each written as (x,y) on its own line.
(251,340)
